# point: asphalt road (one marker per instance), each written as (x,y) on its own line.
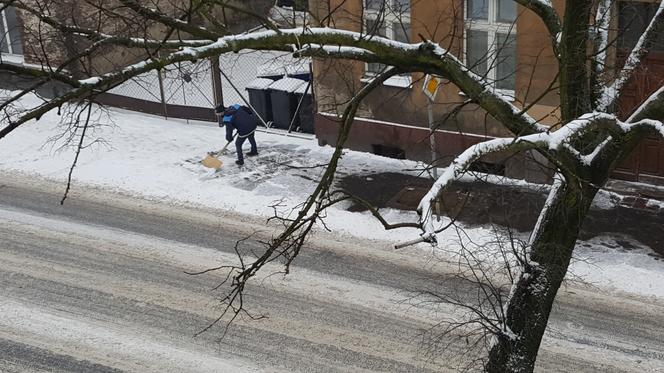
(99,285)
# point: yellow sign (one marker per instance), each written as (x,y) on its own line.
(430,87)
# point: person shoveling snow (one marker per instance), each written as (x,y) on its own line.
(241,119)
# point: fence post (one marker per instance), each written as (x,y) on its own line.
(216,81)
(161,93)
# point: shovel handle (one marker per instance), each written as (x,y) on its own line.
(226,146)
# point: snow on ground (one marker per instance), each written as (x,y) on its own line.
(621,263)
(158,159)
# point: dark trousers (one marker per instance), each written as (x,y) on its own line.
(238,145)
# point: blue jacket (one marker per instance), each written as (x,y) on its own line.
(240,118)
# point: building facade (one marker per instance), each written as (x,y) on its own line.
(498,39)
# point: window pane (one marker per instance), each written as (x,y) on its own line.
(14,31)
(478,9)
(401,31)
(401,6)
(506,10)
(373,28)
(375,68)
(374,4)
(506,61)
(476,50)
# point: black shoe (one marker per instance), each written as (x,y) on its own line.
(239,162)
(252,154)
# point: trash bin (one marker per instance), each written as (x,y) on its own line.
(284,101)
(306,112)
(259,98)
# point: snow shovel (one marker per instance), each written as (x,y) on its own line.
(211,160)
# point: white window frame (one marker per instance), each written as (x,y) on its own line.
(11,56)
(492,27)
(389,19)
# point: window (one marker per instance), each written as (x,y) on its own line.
(387,18)
(10,40)
(490,41)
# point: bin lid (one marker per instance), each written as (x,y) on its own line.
(287,84)
(284,65)
(259,83)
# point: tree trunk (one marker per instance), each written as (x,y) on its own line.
(533,294)
(574,85)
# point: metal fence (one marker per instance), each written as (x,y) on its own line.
(192,90)
(184,90)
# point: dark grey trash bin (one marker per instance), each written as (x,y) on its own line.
(306,112)
(259,98)
(284,102)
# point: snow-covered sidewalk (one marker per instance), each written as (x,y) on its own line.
(157,159)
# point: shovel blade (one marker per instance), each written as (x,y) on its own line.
(212,162)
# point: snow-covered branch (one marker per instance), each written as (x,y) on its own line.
(558,142)
(458,167)
(427,57)
(558,181)
(38,72)
(612,92)
(480,91)
(602,24)
(651,108)
(317,50)
(650,126)
(86,87)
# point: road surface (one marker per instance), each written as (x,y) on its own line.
(99,285)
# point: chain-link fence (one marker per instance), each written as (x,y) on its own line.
(276,86)
(192,90)
(184,90)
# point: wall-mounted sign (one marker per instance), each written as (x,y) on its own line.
(430,87)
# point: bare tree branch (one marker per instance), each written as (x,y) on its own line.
(612,92)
